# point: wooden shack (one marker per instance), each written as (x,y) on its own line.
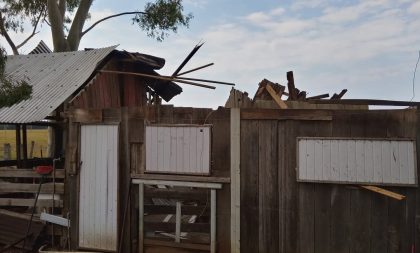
(260,175)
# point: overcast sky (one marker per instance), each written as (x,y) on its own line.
(369,47)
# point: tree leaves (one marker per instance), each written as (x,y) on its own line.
(161,17)
(11,92)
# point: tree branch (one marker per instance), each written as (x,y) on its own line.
(59,40)
(3,32)
(111,16)
(33,31)
(74,35)
(62,8)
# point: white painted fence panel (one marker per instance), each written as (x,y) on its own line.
(98,187)
(362,161)
(178,149)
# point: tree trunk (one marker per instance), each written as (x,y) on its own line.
(75,33)
(57,32)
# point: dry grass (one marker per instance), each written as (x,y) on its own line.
(39,136)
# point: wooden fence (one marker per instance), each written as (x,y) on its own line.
(278,214)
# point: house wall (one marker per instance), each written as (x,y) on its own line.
(278,214)
(131,121)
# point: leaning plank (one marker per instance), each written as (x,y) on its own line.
(31,188)
(26,173)
(29,202)
(276,98)
(384,192)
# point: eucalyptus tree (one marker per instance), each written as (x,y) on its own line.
(67,18)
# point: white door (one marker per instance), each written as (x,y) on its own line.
(98,187)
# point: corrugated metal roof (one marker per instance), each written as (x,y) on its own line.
(54,78)
(41,48)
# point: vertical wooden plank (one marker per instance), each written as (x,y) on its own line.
(335,166)
(369,170)
(351,149)
(160,149)
(374,128)
(186,149)
(360,200)
(235,177)
(141,218)
(281,184)
(340,195)
(310,159)
(326,159)
(411,164)
(173,160)
(343,160)
(166,149)
(178,222)
(385,161)
(205,161)
(403,161)
(290,187)
(179,148)
(303,168)
(377,164)
(249,186)
(195,150)
(360,160)
(268,187)
(213,221)
(318,159)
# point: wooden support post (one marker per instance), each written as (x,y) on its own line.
(24,144)
(235,176)
(213,221)
(141,217)
(178,222)
(18,154)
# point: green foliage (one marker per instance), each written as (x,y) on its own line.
(11,92)
(161,17)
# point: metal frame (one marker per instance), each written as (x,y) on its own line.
(212,186)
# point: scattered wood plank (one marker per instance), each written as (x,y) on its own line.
(383,192)
(276,98)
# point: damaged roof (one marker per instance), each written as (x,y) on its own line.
(55,77)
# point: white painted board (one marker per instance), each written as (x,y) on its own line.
(98,187)
(361,161)
(178,149)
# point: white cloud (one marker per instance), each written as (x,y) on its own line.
(414,8)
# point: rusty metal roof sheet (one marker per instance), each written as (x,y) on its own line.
(54,78)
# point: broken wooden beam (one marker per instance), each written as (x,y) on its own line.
(364,102)
(383,192)
(339,95)
(275,97)
(319,96)
(291,86)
